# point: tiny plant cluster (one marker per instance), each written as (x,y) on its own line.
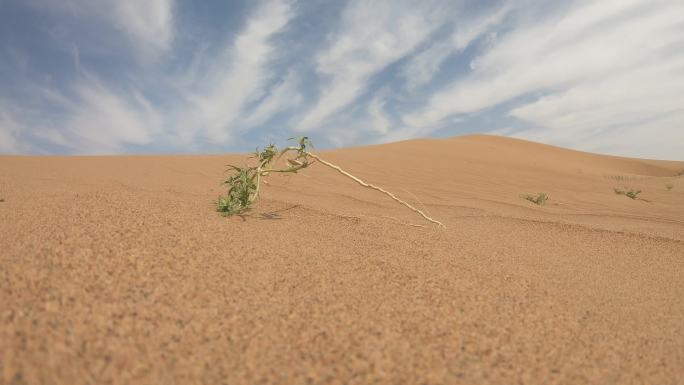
(630,193)
(537,200)
(244,182)
(669,186)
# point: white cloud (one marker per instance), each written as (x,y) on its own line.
(645,105)
(149,21)
(601,64)
(9,129)
(239,76)
(596,75)
(102,121)
(378,118)
(658,138)
(609,102)
(372,36)
(148,25)
(423,66)
(284,95)
(90,118)
(97,116)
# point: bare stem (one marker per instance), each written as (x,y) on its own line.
(258,184)
(364,184)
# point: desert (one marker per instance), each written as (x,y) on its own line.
(119,270)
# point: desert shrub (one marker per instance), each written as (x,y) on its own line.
(630,193)
(537,200)
(244,182)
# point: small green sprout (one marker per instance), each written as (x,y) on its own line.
(669,186)
(631,193)
(537,200)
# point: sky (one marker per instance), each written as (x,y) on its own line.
(216,76)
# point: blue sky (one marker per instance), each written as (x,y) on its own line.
(169,76)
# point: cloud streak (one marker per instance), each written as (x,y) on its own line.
(9,129)
(128,76)
(240,76)
(147,25)
(422,67)
(372,36)
(102,121)
(594,69)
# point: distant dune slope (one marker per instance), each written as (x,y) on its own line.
(117,269)
(490,173)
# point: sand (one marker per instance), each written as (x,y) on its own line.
(117,270)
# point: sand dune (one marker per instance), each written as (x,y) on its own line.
(118,270)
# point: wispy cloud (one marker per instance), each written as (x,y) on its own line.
(372,36)
(78,76)
(378,119)
(150,21)
(101,120)
(240,75)
(284,95)
(594,68)
(423,66)
(93,118)
(148,25)
(9,130)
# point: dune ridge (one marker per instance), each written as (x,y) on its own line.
(116,269)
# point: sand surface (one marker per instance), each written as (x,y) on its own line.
(117,270)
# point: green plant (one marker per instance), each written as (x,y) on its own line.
(631,193)
(669,186)
(537,200)
(244,182)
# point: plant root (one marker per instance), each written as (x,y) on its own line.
(370,186)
